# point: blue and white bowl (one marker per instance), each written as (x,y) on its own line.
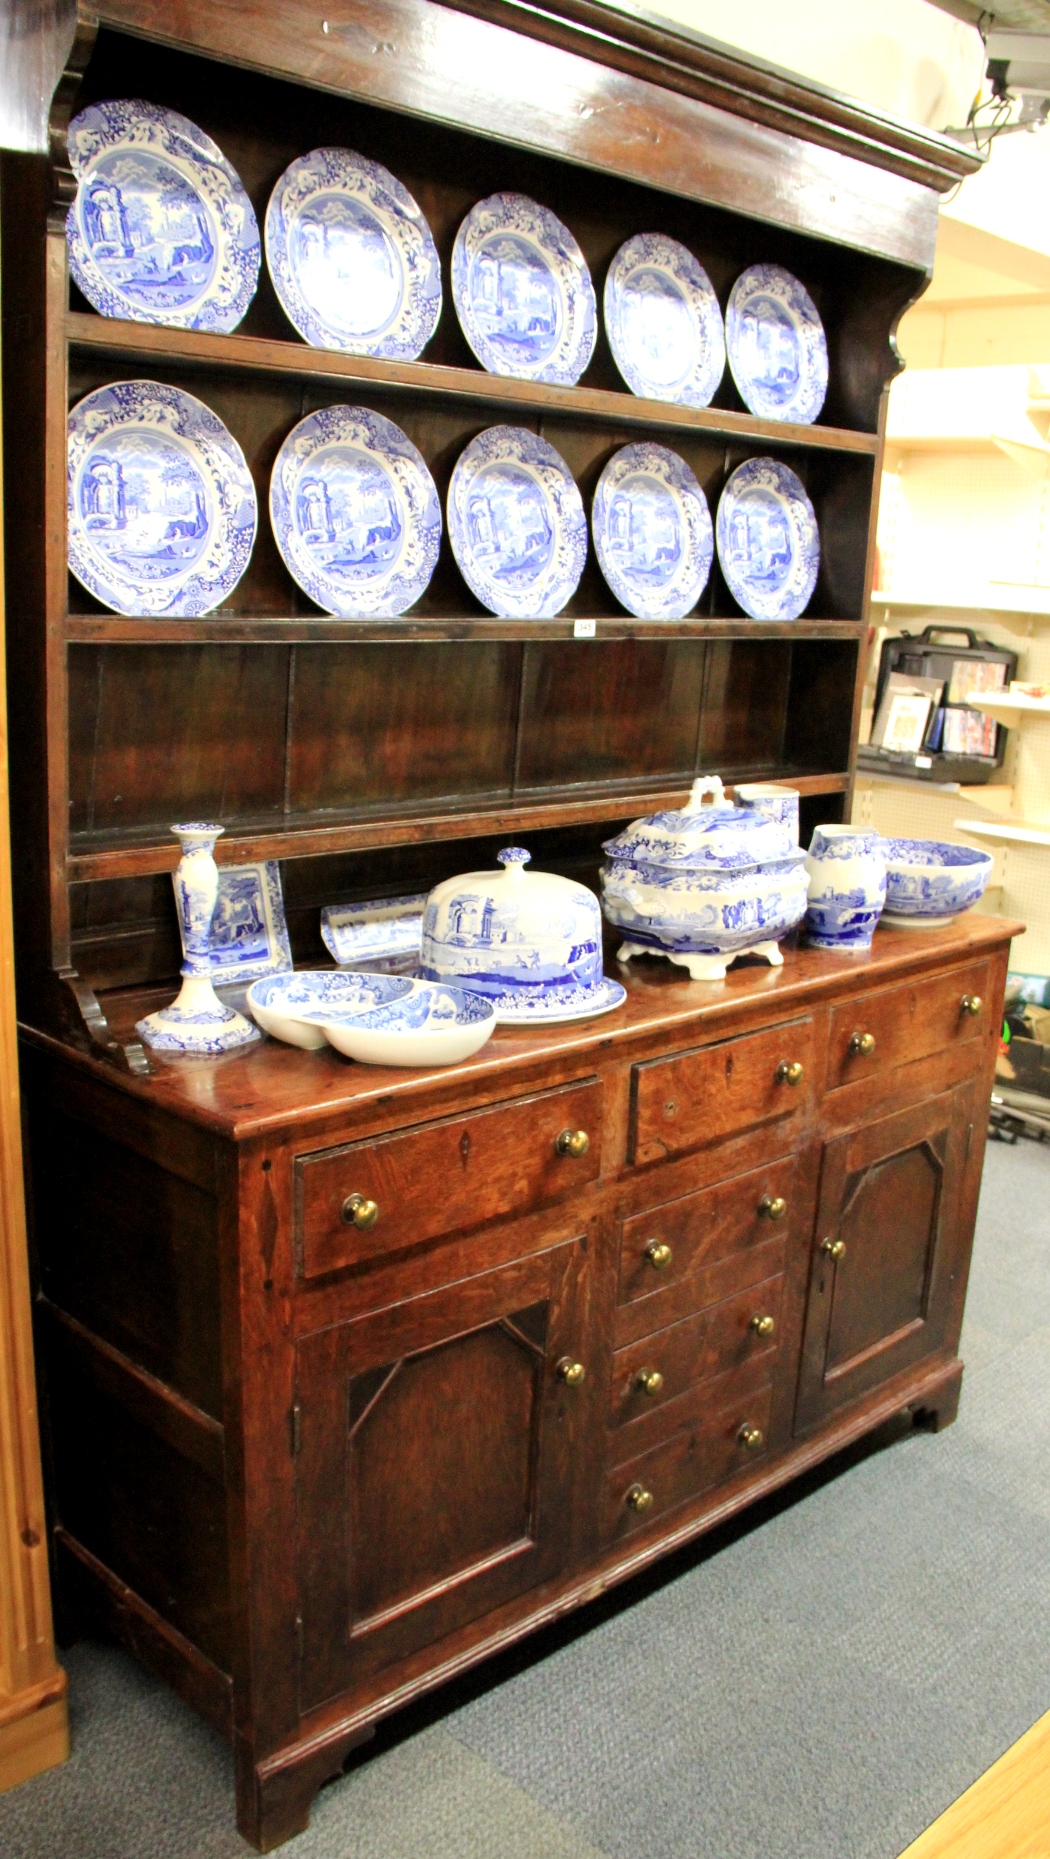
(652,532)
(298,1007)
(516,524)
(768,540)
(431,1026)
(522,291)
(929,881)
(847,888)
(663,322)
(778,353)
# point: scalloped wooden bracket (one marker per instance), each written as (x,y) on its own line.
(85,1025)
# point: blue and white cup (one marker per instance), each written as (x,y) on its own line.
(847,888)
(775,801)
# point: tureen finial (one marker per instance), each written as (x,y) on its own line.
(514,859)
(707,784)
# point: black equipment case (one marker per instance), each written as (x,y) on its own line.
(920,656)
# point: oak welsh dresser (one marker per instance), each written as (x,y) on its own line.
(353,1377)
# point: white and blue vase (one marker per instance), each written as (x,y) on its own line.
(196,1021)
(847,888)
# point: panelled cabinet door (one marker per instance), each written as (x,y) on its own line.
(437,1446)
(887,1249)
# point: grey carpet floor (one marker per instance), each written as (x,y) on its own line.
(816,1683)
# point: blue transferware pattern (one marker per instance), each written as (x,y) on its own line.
(530,942)
(161,230)
(516,524)
(522,291)
(161,505)
(382,928)
(847,888)
(320,995)
(249,935)
(663,322)
(196,1021)
(352,258)
(768,540)
(355,513)
(652,532)
(719,838)
(928,881)
(435,1006)
(774,801)
(778,353)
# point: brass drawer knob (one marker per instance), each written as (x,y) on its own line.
(862,1045)
(648,1381)
(762,1326)
(772,1207)
(638,1498)
(789,1072)
(971,1003)
(835,1248)
(570,1372)
(360,1212)
(572,1142)
(751,1437)
(658,1254)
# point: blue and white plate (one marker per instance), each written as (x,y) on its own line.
(161,504)
(522,291)
(351,257)
(652,532)
(768,540)
(516,524)
(248,937)
(355,513)
(778,354)
(520,1007)
(296,1008)
(161,230)
(663,322)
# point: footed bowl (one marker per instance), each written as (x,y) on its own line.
(297,1007)
(928,881)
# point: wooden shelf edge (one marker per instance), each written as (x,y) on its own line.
(109,335)
(316,629)
(311,839)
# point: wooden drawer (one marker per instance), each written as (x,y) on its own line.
(718,1339)
(694,1460)
(696,1097)
(702,1228)
(906,1023)
(443,1177)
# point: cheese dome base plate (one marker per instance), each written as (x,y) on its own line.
(355,513)
(352,258)
(519,1009)
(161,230)
(663,321)
(161,504)
(516,524)
(768,540)
(652,532)
(522,291)
(778,353)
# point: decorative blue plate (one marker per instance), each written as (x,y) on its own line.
(249,936)
(161,230)
(355,512)
(522,291)
(768,540)
(516,524)
(521,1008)
(161,504)
(778,355)
(652,532)
(663,322)
(351,257)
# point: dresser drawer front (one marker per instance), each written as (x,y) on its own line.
(881,1031)
(718,1339)
(697,1097)
(687,1236)
(443,1177)
(694,1460)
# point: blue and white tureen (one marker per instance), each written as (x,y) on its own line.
(530,942)
(705,884)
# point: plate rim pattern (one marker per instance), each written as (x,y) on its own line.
(799,592)
(777,281)
(553,238)
(660,249)
(560,488)
(689,492)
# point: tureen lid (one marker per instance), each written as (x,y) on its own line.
(698,837)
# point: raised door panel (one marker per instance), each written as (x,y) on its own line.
(439,1450)
(889,1244)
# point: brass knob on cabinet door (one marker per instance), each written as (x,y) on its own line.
(360,1212)
(570,1372)
(638,1498)
(751,1437)
(971,1003)
(835,1248)
(862,1045)
(658,1254)
(772,1207)
(572,1142)
(762,1326)
(648,1381)
(789,1072)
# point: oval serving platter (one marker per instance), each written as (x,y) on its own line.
(768,540)
(355,513)
(663,321)
(652,532)
(351,257)
(161,230)
(778,353)
(522,291)
(161,506)
(516,524)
